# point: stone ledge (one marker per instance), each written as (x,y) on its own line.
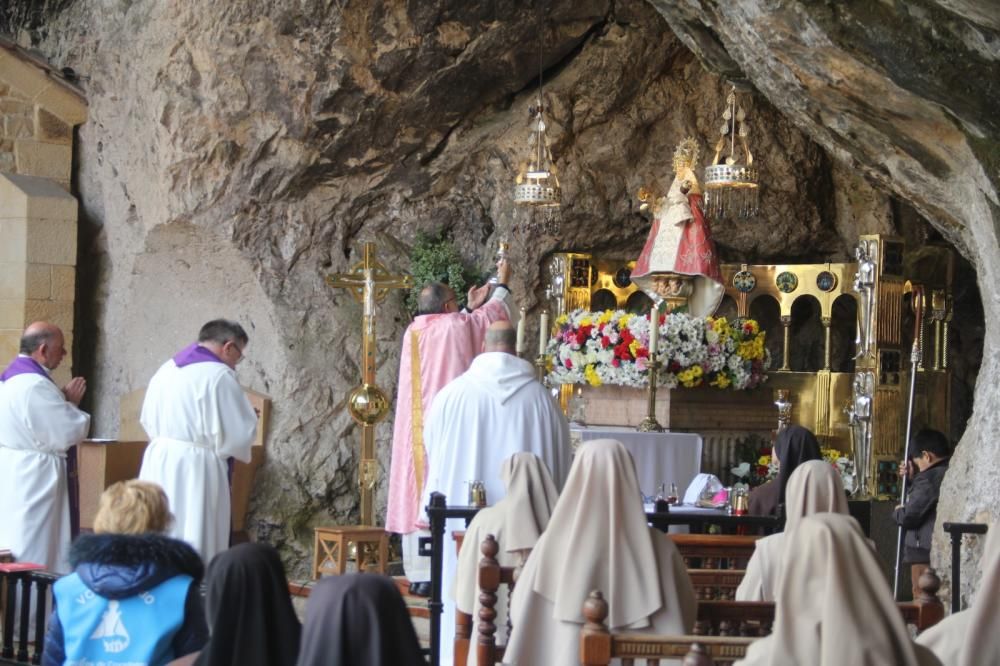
(26,196)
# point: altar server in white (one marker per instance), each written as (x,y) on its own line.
(39,422)
(197,418)
(495,409)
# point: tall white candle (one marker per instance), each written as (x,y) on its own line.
(543,332)
(519,347)
(654,331)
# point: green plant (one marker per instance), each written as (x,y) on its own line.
(434,258)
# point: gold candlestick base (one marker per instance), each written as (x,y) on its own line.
(540,367)
(650,424)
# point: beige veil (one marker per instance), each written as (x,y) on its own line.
(834,605)
(598,539)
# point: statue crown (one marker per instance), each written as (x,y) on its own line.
(686,155)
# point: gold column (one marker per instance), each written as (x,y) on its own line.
(786,323)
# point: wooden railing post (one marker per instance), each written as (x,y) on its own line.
(595,640)
(489,584)
(931,610)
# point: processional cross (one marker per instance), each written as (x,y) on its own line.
(369,281)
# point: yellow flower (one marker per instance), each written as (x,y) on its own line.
(720,325)
(752,325)
(562,319)
(623,322)
(764,461)
(690,377)
(606,316)
(721,380)
(586,321)
(633,346)
(591,375)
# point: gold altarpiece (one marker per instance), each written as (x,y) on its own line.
(823,399)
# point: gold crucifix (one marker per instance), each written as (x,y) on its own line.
(369,281)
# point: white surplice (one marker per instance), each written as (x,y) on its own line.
(495,409)
(37,426)
(197,417)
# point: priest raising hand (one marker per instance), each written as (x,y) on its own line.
(38,424)
(437,347)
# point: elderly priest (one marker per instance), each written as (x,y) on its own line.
(495,409)
(38,423)
(197,418)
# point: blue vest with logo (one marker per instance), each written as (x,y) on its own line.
(136,630)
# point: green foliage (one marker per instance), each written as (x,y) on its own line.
(435,259)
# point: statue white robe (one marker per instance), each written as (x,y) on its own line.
(197,417)
(495,409)
(37,426)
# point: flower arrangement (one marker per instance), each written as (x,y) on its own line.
(844,466)
(612,347)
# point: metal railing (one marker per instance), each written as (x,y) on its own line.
(956,531)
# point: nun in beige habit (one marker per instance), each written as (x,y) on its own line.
(814,487)
(833,605)
(597,539)
(517,521)
(972,636)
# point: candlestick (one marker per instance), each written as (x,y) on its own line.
(519,347)
(650,424)
(654,330)
(543,333)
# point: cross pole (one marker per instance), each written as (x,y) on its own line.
(369,282)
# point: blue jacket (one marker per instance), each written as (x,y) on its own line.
(151,582)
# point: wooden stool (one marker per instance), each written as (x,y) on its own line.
(332,544)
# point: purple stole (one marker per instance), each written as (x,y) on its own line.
(24,365)
(195,353)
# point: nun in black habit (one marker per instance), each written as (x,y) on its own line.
(358,619)
(249,610)
(795,446)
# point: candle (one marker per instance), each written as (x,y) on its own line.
(654,331)
(543,333)
(519,347)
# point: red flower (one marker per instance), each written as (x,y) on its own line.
(615,362)
(642,352)
(568,363)
(761,470)
(605,341)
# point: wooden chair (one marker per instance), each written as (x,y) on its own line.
(715,551)
(715,584)
(491,576)
(756,618)
(598,646)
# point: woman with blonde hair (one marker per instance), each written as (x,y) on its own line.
(133,596)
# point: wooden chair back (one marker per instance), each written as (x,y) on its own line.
(756,618)
(716,584)
(715,551)
(491,576)
(598,646)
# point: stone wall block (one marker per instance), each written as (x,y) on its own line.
(59,313)
(12,313)
(63,283)
(62,103)
(33,197)
(23,78)
(48,160)
(38,281)
(13,107)
(18,127)
(13,280)
(51,242)
(14,234)
(10,342)
(51,128)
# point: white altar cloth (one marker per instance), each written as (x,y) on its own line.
(660,457)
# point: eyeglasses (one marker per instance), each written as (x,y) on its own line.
(239,351)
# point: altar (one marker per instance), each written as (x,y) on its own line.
(660,457)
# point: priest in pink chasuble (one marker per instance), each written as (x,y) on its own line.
(680,242)
(198,417)
(437,347)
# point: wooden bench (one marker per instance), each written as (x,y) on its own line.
(715,551)
(32,582)
(755,618)
(598,646)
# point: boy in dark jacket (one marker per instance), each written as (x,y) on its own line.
(930,455)
(133,596)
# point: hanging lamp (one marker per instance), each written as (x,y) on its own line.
(732,180)
(537,183)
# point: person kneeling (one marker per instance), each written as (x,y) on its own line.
(133,596)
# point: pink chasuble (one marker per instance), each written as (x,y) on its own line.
(437,348)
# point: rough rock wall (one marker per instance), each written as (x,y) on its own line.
(884,88)
(236,152)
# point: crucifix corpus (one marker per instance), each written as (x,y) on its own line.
(369,281)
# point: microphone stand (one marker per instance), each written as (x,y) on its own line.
(918,303)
